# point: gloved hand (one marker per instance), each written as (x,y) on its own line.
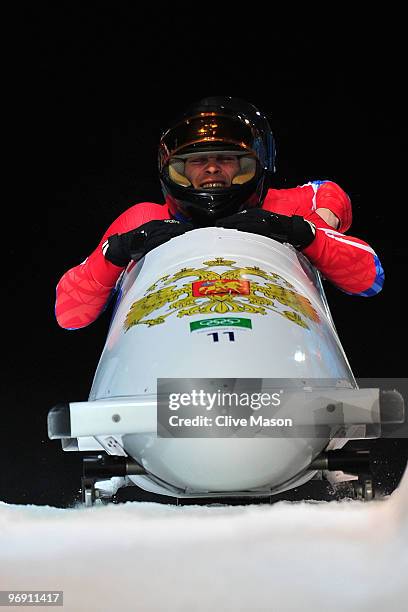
(295,230)
(119,249)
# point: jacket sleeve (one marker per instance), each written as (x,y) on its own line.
(84,291)
(347,262)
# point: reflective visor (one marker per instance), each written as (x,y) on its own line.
(205,130)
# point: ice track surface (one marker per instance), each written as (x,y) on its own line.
(332,556)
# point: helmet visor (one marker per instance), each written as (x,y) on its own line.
(202,132)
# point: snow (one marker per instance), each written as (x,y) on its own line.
(328,556)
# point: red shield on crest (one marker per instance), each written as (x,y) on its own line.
(220,286)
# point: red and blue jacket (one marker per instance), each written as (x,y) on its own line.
(349,263)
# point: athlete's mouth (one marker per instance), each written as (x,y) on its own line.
(212,184)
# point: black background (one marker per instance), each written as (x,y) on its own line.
(94,90)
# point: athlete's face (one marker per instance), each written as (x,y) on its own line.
(211,171)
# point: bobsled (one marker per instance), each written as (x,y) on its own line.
(210,316)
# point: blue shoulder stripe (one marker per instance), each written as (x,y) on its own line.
(318,183)
(378,281)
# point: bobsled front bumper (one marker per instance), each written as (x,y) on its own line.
(340,410)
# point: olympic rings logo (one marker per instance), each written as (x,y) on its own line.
(218,321)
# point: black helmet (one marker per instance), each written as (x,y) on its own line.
(219,125)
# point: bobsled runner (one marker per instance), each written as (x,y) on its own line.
(210,316)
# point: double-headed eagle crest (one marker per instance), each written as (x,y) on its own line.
(206,292)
